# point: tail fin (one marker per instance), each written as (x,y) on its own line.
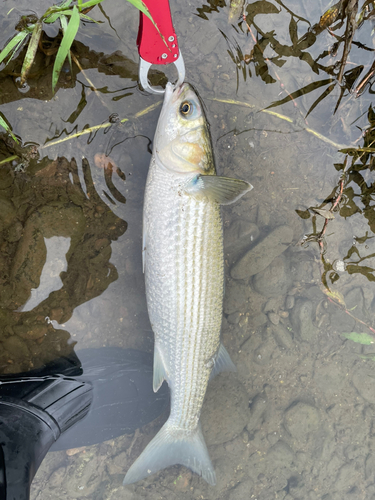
(170,447)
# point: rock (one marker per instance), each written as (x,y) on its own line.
(282,336)
(226,409)
(274,318)
(56,478)
(257,320)
(16,347)
(240,297)
(242,491)
(303,269)
(369,466)
(257,410)
(240,236)
(289,301)
(301,319)
(34,331)
(281,455)
(260,256)
(14,232)
(274,280)
(364,382)
(262,355)
(236,296)
(330,379)
(347,477)
(6,177)
(300,420)
(273,304)
(7,213)
(85,474)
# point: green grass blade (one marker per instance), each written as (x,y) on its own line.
(64,26)
(88,18)
(6,127)
(64,48)
(88,4)
(52,14)
(31,51)
(360,338)
(142,7)
(13,45)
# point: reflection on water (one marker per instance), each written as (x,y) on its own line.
(55,264)
(289,99)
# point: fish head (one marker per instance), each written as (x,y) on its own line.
(182,139)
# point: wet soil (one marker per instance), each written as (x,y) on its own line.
(297,419)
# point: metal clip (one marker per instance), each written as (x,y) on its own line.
(145,66)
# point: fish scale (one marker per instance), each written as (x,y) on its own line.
(187,332)
(184,274)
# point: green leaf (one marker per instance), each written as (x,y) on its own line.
(14,44)
(360,338)
(53,17)
(142,7)
(52,14)
(31,51)
(88,4)
(88,18)
(64,48)
(5,126)
(64,26)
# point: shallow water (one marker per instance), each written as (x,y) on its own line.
(297,420)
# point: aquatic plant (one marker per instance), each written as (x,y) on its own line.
(30,30)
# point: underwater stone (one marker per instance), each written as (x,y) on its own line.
(301,419)
(275,279)
(282,336)
(301,318)
(226,410)
(260,256)
(364,382)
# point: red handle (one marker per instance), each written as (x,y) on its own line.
(152,48)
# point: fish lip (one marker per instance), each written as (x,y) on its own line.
(178,91)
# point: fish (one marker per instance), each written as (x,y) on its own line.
(183,264)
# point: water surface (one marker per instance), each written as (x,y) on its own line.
(296,421)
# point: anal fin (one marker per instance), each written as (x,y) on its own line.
(223,363)
(160,373)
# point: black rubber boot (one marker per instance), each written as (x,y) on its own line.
(111,388)
(33,414)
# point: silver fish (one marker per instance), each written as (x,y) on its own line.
(184,273)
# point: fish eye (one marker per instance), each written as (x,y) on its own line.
(186,108)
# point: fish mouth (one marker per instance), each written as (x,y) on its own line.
(179,91)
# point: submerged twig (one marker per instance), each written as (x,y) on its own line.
(283,88)
(282,117)
(102,125)
(336,202)
(92,86)
(351,25)
(9,159)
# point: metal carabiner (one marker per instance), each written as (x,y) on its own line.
(145,66)
(158,46)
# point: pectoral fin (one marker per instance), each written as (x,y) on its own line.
(223,363)
(223,190)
